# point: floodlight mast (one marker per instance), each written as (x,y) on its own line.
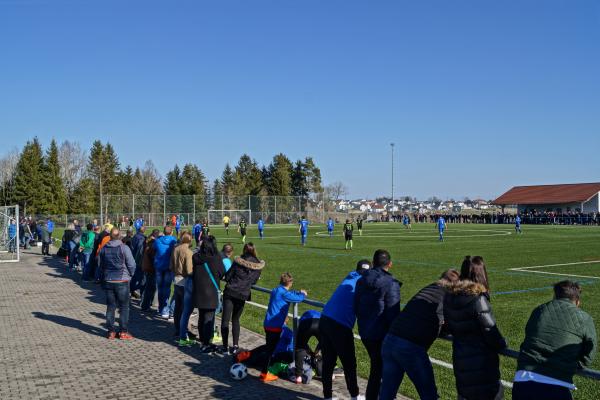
(392,209)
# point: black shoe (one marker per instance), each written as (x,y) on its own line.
(209,348)
(233,350)
(223,350)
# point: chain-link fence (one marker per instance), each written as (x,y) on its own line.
(9,234)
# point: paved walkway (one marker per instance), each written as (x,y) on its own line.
(53,346)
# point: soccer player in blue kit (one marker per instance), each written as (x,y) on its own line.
(441,225)
(261,227)
(518,224)
(303,229)
(330,227)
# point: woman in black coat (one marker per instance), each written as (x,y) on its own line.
(244,273)
(207,262)
(476,338)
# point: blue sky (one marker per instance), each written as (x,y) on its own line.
(478,95)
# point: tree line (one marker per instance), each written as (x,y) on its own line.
(64,178)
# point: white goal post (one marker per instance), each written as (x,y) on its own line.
(215,217)
(9,234)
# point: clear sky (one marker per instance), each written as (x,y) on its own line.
(478,95)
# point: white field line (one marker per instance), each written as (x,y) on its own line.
(357,337)
(529,269)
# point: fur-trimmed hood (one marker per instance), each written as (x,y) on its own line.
(249,264)
(465,287)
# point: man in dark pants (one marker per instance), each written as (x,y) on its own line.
(559,337)
(307,328)
(337,338)
(377,304)
(118,266)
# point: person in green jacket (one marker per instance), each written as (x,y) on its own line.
(559,339)
(86,247)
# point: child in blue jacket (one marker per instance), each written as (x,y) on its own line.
(277,312)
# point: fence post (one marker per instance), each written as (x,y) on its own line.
(295,323)
(194,201)
(275,210)
(133,206)
(164,209)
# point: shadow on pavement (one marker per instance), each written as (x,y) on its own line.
(71,323)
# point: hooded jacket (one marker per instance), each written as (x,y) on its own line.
(421,320)
(377,303)
(244,273)
(559,338)
(205,295)
(181,260)
(476,340)
(116,261)
(148,257)
(163,247)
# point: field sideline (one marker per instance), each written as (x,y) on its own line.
(521,270)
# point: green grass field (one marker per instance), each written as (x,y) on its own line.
(418,259)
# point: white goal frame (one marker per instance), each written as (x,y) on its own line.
(6,214)
(234,217)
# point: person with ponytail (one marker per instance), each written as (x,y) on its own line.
(476,337)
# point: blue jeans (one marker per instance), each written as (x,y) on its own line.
(188,307)
(401,356)
(86,257)
(73,250)
(163,286)
(117,295)
(149,290)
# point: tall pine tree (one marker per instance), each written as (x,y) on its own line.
(56,193)
(29,179)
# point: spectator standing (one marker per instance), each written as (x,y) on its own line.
(226,254)
(163,248)
(50,225)
(118,266)
(138,245)
(476,338)
(244,273)
(12,236)
(149,273)
(208,271)
(559,339)
(410,336)
(45,237)
(86,246)
(277,311)
(181,267)
(101,239)
(337,337)
(377,304)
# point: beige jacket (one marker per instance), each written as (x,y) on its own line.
(181,260)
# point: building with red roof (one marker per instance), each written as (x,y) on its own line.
(584,197)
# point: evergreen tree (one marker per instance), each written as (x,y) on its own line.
(193,182)
(280,176)
(53,186)
(247,177)
(172,187)
(85,199)
(227,187)
(126,180)
(217,191)
(28,192)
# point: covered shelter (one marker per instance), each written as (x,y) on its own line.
(580,197)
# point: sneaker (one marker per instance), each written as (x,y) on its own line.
(111,335)
(164,316)
(233,350)
(242,356)
(298,380)
(125,336)
(268,377)
(186,342)
(223,350)
(209,348)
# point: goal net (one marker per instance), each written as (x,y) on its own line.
(9,234)
(215,217)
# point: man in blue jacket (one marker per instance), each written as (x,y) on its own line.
(163,247)
(50,226)
(337,338)
(377,303)
(12,236)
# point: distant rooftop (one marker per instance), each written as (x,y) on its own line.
(549,194)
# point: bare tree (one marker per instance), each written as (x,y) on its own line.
(8,165)
(73,161)
(336,190)
(149,180)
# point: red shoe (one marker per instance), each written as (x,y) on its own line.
(111,335)
(125,336)
(242,356)
(268,377)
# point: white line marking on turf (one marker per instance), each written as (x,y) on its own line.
(530,269)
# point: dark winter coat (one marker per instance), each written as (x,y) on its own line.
(421,320)
(138,244)
(476,340)
(377,303)
(559,338)
(205,294)
(116,261)
(244,273)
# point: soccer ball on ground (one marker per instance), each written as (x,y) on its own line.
(238,371)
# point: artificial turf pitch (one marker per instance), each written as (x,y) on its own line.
(418,259)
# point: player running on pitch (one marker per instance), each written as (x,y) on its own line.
(226,224)
(359,222)
(330,225)
(406,221)
(303,229)
(348,229)
(518,224)
(205,230)
(261,227)
(197,230)
(242,229)
(441,225)
(177,225)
